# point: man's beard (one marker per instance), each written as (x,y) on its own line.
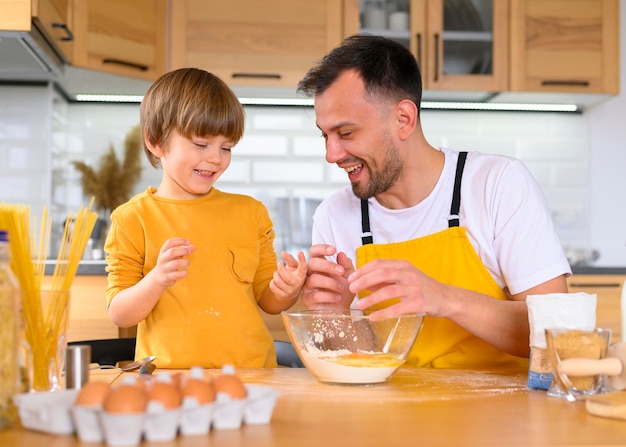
(380,181)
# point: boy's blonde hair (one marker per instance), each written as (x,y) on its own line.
(194,102)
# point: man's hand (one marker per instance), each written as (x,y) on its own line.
(326,285)
(388,279)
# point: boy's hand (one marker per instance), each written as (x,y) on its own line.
(289,276)
(172,262)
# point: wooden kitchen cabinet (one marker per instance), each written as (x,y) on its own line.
(608,289)
(122,37)
(569,46)
(53,18)
(16,15)
(459,44)
(254,42)
(89,318)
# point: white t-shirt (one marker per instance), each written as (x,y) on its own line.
(504,211)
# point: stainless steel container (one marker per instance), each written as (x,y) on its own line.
(295,222)
(77,360)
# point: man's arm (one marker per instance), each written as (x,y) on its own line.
(502,323)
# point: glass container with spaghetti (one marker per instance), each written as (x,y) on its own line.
(9,335)
(45,312)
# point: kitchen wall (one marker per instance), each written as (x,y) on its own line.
(281,153)
(607,166)
(577,159)
(25,135)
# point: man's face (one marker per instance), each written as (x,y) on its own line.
(358,135)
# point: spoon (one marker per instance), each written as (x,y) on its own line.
(129,366)
(390,337)
(137,364)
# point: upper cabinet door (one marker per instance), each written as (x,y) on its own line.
(565,46)
(459,44)
(466,45)
(54,18)
(254,42)
(16,15)
(122,37)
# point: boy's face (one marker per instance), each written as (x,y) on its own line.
(191,166)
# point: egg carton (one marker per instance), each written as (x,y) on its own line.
(48,412)
(55,413)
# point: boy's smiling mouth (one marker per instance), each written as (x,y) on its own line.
(204,173)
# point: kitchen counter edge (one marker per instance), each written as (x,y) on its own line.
(84,268)
(590,270)
(98,268)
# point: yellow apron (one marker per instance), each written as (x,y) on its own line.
(448,257)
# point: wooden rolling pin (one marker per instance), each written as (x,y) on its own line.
(610,405)
(612,366)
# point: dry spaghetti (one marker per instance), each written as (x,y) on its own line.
(45,320)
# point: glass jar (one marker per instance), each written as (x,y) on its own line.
(9,335)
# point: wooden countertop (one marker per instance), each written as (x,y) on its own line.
(417,407)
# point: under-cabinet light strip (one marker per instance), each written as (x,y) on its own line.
(433,105)
(521,107)
(109,98)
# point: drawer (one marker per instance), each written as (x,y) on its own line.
(608,289)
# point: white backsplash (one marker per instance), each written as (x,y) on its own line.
(25,135)
(281,153)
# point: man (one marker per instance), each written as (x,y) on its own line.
(463,238)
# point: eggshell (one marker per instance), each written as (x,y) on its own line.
(231,385)
(141,382)
(199,389)
(166,393)
(177,378)
(125,398)
(92,394)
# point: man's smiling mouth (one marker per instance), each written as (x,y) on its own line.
(351,169)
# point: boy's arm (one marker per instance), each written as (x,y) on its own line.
(134,304)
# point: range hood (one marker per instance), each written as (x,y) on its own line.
(28,56)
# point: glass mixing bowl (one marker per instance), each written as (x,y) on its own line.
(350,347)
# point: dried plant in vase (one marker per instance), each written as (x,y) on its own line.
(112,183)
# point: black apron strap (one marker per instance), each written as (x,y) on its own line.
(366,235)
(453,219)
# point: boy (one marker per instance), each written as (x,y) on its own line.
(187,263)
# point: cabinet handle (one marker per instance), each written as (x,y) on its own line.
(603,285)
(436,57)
(68,34)
(578,83)
(256,75)
(128,64)
(418,37)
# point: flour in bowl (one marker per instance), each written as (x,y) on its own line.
(344,366)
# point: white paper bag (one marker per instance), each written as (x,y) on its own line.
(572,310)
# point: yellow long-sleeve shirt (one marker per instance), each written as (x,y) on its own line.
(210,317)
